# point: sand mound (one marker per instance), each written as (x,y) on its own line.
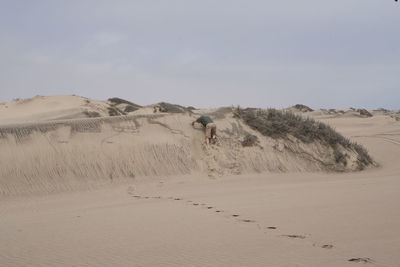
(74,154)
(339,113)
(299,108)
(62,107)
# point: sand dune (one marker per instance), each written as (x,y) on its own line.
(63,155)
(162,199)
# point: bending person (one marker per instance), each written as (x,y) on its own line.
(210,126)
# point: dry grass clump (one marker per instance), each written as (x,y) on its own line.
(250,140)
(114,111)
(302,108)
(117,101)
(130,108)
(171,108)
(278,124)
(364,112)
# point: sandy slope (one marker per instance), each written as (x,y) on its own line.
(46,108)
(270,219)
(52,156)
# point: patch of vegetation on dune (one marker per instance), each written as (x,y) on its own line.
(115,111)
(117,101)
(279,124)
(302,108)
(171,108)
(363,112)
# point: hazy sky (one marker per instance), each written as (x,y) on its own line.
(267,53)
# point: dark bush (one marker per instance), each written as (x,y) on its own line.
(130,108)
(364,112)
(113,111)
(303,108)
(279,124)
(250,140)
(117,101)
(172,108)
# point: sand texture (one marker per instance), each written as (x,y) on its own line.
(143,190)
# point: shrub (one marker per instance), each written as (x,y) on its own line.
(364,112)
(279,124)
(130,108)
(172,108)
(113,111)
(303,108)
(117,101)
(250,140)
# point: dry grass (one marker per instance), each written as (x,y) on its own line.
(279,124)
(250,140)
(303,108)
(117,101)
(172,108)
(364,112)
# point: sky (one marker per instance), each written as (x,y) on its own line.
(252,53)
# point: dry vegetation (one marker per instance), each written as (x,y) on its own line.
(364,112)
(250,140)
(303,108)
(117,101)
(279,124)
(116,111)
(171,108)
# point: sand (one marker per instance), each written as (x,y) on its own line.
(179,217)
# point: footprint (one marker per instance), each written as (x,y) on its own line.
(327,246)
(195,204)
(177,198)
(295,236)
(210,207)
(271,227)
(248,221)
(219,211)
(363,260)
(235,215)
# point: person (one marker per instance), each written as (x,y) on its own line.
(210,126)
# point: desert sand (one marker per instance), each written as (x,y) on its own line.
(142,190)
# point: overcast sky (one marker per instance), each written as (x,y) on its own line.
(267,53)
